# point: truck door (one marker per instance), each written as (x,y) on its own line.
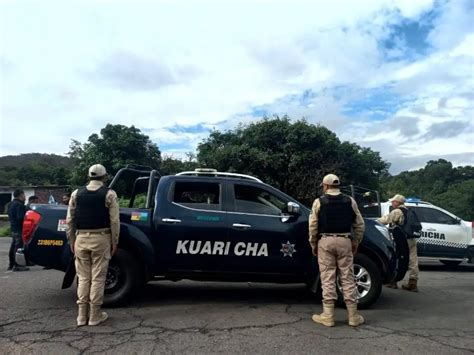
(265,238)
(442,235)
(191,226)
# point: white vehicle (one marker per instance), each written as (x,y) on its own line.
(444,236)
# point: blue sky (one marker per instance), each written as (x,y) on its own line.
(394,75)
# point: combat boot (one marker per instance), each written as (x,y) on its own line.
(354,318)
(393,285)
(411,286)
(97,316)
(327,317)
(82,315)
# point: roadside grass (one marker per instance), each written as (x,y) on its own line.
(5,231)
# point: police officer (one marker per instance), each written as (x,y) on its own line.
(332,217)
(93,228)
(397,218)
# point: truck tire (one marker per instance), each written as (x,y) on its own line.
(368,279)
(123,279)
(451,263)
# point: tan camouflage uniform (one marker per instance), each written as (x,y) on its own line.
(335,253)
(395,217)
(92,248)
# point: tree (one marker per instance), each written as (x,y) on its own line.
(34,169)
(439,183)
(171,166)
(115,147)
(292,156)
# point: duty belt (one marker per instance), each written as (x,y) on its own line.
(99,230)
(325,235)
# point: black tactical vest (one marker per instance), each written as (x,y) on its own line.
(336,214)
(91,212)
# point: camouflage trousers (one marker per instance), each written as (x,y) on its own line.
(335,258)
(92,252)
(413,270)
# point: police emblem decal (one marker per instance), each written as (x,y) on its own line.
(288,249)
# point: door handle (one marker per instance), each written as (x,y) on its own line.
(241,226)
(171,220)
(431,230)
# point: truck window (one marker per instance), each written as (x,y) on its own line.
(431,215)
(198,195)
(251,199)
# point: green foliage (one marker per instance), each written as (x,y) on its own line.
(115,147)
(439,183)
(5,231)
(171,166)
(123,201)
(292,156)
(34,169)
(138,202)
(25,160)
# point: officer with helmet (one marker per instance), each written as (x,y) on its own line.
(93,228)
(332,217)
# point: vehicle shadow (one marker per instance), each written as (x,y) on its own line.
(184,292)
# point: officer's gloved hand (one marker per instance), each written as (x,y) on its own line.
(113,249)
(315,250)
(355,245)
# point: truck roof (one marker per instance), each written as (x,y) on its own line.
(215,173)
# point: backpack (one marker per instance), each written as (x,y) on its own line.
(411,224)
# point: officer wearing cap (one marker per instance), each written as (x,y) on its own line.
(396,217)
(93,228)
(332,217)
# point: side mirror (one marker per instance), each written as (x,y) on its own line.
(293,208)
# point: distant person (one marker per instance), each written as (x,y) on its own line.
(31,200)
(93,228)
(16,214)
(399,217)
(66,198)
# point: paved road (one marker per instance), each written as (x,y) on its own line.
(190,317)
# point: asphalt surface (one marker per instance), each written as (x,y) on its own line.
(197,317)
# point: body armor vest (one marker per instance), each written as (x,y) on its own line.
(91,212)
(336,214)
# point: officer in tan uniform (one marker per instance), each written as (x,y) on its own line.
(332,217)
(93,228)
(397,218)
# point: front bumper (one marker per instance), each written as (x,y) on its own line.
(20,257)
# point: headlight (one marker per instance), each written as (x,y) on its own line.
(384,231)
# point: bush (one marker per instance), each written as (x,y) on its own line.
(5,231)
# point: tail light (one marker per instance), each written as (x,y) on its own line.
(30,223)
(472,229)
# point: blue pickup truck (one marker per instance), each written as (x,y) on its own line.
(210,226)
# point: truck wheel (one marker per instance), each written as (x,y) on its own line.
(451,263)
(123,279)
(368,280)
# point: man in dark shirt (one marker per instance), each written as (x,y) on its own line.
(16,214)
(32,200)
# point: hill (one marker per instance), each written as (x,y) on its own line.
(25,160)
(34,169)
